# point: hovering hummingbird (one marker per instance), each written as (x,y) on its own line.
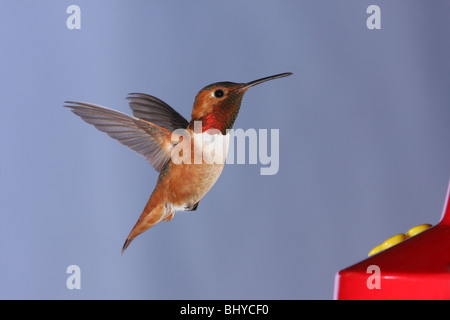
(150,132)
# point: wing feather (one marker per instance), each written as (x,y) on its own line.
(147,139)
(154,110)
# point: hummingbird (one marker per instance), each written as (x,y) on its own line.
(152,133)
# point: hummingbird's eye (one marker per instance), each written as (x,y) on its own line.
(219,93)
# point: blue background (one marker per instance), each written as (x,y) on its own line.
(364,143)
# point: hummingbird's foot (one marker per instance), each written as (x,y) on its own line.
(193,207)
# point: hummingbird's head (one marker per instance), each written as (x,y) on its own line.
(218,104)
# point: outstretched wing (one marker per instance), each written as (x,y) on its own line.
(156,111)
(147,139)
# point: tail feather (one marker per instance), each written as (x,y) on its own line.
(126,244)
(151,215)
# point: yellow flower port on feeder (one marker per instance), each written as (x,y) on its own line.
(392,241)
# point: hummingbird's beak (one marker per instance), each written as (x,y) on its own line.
(255,82)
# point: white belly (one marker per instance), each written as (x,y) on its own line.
(211,148)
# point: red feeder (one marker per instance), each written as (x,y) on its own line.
(417,268)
